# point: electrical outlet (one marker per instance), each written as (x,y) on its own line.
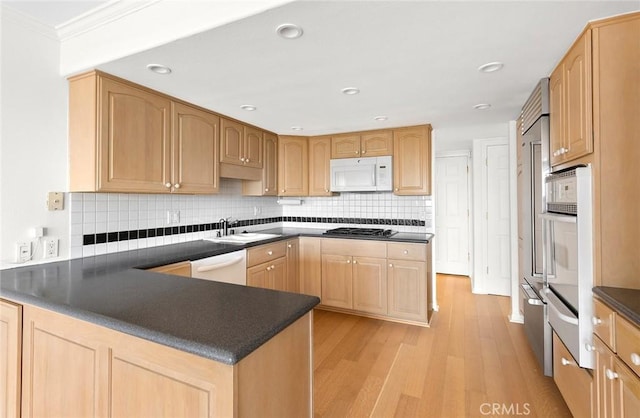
(175,217)
(50,247)
(23,252)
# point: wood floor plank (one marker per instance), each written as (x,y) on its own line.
(469,358)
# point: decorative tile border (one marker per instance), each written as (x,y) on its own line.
(105,237)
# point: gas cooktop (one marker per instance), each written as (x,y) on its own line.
(376,232)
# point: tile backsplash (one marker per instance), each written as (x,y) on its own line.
(110,222)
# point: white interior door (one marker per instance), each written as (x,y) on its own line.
(452,215)
(498,221)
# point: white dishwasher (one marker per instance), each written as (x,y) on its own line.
(228,268)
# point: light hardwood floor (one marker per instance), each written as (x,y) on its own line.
(469,359)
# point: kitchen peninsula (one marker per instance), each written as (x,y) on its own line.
(99,336)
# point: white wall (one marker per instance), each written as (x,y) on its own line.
(33,151)
(461,137)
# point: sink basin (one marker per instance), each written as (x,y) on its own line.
(243,238)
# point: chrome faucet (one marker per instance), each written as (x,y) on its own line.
(224,225)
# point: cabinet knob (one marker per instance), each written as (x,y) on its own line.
(269,252)
(396,189)
(364,152)
(596,321)
(167,185)
(269,268)
(390,265)
(326,190)
(289,245)
(405,252)
(266,189)
(272,267)
(247,160)
(611,375)
(348,261)
(589,347)
(242,159)
(355,261)
(356,152)
(282,190)
(566,362)
(635,359)
(176,186)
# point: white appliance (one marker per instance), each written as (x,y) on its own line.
(371,174)
(227,268)
(569,260)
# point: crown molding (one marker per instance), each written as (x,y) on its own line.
(26,21)
(100,16)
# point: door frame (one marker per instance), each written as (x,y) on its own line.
(459,153)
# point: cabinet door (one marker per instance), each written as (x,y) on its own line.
(412,161)
(603,389)
(252,152)
(370,285)
(277,271)
(337,281)
(293,267)
(556,116)
(258,276)
(65,370)
(270,167)
(374,144)
(345,146)
(293,173)
(407,290)
(626,386)
(195,150)
(578,99)
(135,139)
(310,278)
(10,358)
(319,171)
(231,142)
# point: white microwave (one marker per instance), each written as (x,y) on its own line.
(371,174)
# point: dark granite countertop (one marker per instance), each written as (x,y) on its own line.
(624,301)
(220,321)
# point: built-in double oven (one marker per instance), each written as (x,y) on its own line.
(568,266)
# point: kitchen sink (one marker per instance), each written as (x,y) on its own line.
(243,238)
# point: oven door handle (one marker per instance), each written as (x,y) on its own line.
(532,298)
(553,299)
(558,218)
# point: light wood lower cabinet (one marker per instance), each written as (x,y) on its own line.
(10,358)
(74,368)
(574,383)
(370,285)
(269,275)
(178,269)
(310,259)
(337,281)
(293,267)
(407,290)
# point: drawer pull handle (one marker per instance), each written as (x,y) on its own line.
(566,362)
(611,375)
(589,347)
(635,359)
(269,252)
(405,252)
(596,321)
(269,268)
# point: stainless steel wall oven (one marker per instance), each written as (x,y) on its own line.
(568,267)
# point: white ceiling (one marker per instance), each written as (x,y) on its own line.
(414,61)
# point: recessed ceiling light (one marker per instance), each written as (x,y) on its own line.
(248,108)
(490,67)
(159,68)
(350,91)
(296,128)
(482,106)
(289,31)
(380,118)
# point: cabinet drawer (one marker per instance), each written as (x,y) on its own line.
(603,323)
(182,268)
(628,343)
(404,251)
(355,248)
(267,252)
(573,382)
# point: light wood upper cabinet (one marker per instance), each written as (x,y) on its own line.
(571,103)
(240,145)
(412,160)
(195,150)
(268,184)
(293,172)
(362,144)
(126,138)
(319,170)
(10,358)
